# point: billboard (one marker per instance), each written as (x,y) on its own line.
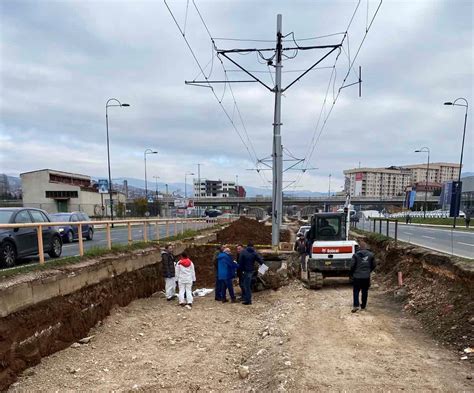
(103,186)
(445,196)
(410,197)
(456,190)
(358,183)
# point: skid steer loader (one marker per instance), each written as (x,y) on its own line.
(329,248)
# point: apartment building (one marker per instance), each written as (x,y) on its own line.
(439,172)
(216,189)
(393,181)
(377,182)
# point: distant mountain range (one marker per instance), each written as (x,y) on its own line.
(178,187)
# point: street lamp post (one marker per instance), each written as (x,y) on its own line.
(425,150)
(186,192)
(463,138)
(156,186)
(147,151)
(107,105)
(186,184)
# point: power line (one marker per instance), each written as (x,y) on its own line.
(206,78)
(351,64)
(236,106)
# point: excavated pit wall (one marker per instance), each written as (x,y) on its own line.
(437,288)
(44,312)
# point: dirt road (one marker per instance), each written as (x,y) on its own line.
(292,339)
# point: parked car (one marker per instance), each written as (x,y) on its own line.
(17,243)
(71,232)
(212,213)
(303,229)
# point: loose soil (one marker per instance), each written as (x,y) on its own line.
(291,339)
(246,230)
(435,290)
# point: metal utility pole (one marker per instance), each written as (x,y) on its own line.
(329,188)
(274,60)
(425,150)
(199,188)
(156,186)
(277,189)
(466,105)
(107,105)
(147,151)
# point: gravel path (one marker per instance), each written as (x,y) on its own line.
(291,339)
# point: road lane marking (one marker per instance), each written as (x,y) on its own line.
(440,250)
(466,244)
(428,237)
(407,233)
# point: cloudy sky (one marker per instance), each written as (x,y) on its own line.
(61,61)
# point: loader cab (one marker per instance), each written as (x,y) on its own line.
(327,227)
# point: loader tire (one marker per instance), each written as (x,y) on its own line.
(315,280)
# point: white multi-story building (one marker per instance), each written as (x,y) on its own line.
(214,188)
(393,181)
(377,182)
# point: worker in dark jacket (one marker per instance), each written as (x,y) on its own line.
(300,247)
(240,247)
(168,270)
(247,258)
(217,286)
(362,265)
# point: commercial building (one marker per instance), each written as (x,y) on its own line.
(467,194)
(57,191)
(205,188)
(393,181)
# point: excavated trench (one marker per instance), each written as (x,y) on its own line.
(41,328)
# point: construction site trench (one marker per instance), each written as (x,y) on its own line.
(119,332)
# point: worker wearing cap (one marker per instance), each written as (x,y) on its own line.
(300,247)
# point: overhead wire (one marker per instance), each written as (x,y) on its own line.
(233,96)
(203,73)
(351,64)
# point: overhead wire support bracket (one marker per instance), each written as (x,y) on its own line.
(224,81)
(224,51)
(334,47)
(359,82)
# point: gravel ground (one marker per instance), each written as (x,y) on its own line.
(291,339)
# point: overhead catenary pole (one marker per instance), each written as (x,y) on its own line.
(277,168)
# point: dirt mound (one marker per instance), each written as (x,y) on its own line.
(435,289)
(202,257)
(246,230)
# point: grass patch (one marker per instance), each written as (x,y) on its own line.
(434,221)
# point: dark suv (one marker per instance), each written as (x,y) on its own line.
(21,242)
(71,231)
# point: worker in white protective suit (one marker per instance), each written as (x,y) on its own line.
(185,276)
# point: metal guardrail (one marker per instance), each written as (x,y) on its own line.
(387,227)
(185,223)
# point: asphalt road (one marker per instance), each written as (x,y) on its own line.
(459,243)
(119,235)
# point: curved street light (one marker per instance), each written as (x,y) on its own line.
(466,105)
(147,151)
(107,105)
(425,150)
